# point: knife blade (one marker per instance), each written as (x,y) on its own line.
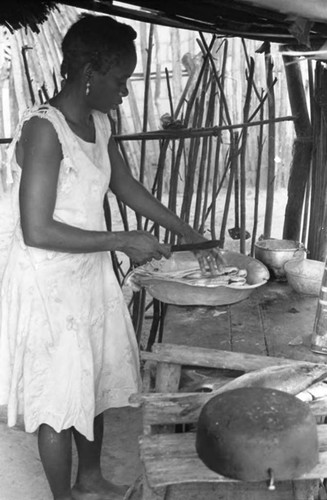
(203,245)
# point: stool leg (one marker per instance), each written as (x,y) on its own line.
(163,310)
(155,325)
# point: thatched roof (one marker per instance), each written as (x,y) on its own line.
(282,21)
(299,22)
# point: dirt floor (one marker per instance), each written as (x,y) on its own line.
(21,474)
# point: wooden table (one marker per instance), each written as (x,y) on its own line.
(273,321)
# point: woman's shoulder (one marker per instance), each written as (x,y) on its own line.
(38,123)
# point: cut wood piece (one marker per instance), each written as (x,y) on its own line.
(213,358)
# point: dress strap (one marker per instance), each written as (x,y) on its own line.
(65,136)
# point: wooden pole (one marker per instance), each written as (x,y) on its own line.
(300,167)
(271,144)
(201,132)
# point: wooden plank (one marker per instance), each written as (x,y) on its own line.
(172,459)
(246,327)
(212,358)
(198,326)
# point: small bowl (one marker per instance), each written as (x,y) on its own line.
(274,253)
(305,276)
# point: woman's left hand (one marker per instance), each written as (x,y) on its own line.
(208,259)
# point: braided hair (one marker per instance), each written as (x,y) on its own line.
(99,40)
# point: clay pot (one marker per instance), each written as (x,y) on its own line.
(274,253)
(257,434)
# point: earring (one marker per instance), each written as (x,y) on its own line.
(87,90)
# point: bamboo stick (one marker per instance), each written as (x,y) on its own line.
(248,63)
(233,153)
(271,144)
(260,142)
(185,91)
(146,102)
(190,171)
(218,148)
(203,160)
(202,132)
(202,109)
(222,93)
(246,111)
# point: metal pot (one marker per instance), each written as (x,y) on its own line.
(257,434)
(274,253)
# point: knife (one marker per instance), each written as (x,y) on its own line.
(203,245)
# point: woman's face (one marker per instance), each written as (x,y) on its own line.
(107,90)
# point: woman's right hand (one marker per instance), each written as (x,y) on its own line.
(141,247)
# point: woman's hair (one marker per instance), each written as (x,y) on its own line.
(96,40)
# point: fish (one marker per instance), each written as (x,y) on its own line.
(229,275)
(292,379)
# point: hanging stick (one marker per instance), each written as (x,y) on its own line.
(260,142)
(233,159)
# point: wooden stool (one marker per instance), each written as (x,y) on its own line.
(169,457)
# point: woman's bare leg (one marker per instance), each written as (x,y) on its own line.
(89,476)
(55,450)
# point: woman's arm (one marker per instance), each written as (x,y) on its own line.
(40,162)
(136,196)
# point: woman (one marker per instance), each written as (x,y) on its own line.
(67,346)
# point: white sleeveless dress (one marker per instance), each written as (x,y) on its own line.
(67,346)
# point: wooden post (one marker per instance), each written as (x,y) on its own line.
(300,168)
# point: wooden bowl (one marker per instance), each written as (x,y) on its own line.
(177,293)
